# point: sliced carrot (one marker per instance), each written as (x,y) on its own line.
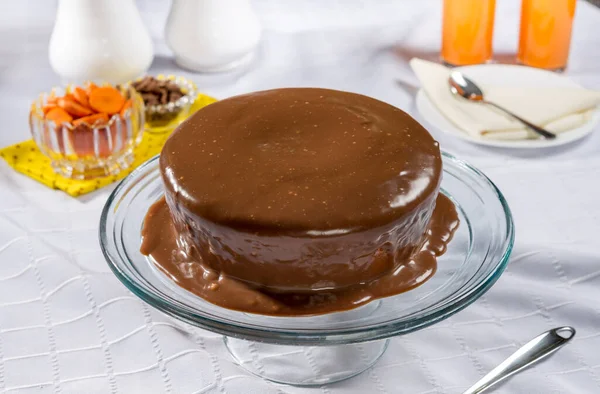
(106,99)
(92,120)
(59,116)
(91,86)
(50,134)
(107,145)
(51,100)
(73,107)
(81,96)
(48,107)
(126,106)
(101,142)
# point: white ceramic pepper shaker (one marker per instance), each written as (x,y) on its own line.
(212,35)
(99,40)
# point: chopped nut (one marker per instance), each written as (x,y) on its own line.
(157,91)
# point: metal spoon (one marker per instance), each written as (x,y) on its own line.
(464,87)
(535,350)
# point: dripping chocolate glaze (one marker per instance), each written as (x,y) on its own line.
(299,201)
(221,289)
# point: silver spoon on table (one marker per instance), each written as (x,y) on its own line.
(533,351)
(464,87)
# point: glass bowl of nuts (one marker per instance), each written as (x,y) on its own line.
(167,100)
(88,131)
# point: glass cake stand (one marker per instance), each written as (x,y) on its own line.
(315,350)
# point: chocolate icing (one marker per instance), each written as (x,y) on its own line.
(296,201)
(220,289)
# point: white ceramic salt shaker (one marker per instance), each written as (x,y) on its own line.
(99,40)
(212,35)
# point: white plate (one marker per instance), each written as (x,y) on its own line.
(510,75)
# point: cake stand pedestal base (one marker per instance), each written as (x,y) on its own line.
(305,365)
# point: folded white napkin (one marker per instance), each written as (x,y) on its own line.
(556,109)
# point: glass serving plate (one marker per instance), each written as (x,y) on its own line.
(314,350)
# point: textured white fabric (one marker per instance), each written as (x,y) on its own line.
(67,325)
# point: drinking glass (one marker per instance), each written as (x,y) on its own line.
(545,36)
(467,30)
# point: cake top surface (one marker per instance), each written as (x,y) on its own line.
(301,159)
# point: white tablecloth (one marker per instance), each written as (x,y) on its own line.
(67,325)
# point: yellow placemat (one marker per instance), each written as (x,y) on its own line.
(26,158)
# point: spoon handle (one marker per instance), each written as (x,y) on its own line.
(544,133)
(530,353)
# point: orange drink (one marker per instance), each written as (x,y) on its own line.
(545,35)
(467,29)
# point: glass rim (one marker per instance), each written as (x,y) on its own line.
(225,326)
(36,108)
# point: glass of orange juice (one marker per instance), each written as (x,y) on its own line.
(467,30)
(545,35)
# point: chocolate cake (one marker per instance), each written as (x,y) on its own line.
(300,200)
